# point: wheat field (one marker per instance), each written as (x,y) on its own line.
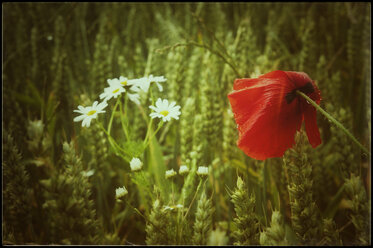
(128,177)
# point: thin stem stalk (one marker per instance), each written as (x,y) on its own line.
(194,197)
(334,121)
(114,144)
(122,117)
(152,136)
(112,115)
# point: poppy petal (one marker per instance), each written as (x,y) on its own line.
(266,122)
(266,119)
(271,132)
(245,103)
(310,121)
(241,83)
(299,79)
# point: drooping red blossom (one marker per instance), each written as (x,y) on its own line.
(268,112)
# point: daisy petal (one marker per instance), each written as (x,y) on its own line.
(79,118)
(160,87)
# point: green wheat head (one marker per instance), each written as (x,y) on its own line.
(304,211)
(203,220)
(247,232)
(275,234)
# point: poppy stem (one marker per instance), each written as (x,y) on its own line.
(337,123)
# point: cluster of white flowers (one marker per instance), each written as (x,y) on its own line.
(203,171)
(120,192)
(135,164)
(133,87)
(170,173)
(183,170)
(162,109)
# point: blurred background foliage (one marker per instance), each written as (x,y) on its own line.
(57,56)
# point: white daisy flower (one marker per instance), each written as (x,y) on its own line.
(203,171)
(144,82)
(157,80)
(135,164)
(170,173)
(165,110)
(133,86)
(134,98)
(123,81)
(183,170)
(89,113)
(135,82)
(120,192)
(116,87)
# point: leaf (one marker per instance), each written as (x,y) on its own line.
(34,100)
(333,205)
(245,169)
(26,100)
(134,149)
(158,167)
(34,92)
(290,235)
(51,107)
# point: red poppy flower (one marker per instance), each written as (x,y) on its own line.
(268,112)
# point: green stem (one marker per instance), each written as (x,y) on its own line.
(156,131)
(146,140)
(337,123)
(112,115)
(122,117)
(165,130)
(116,230)
(148,131)
(144,179)
(136,210)
(146,219)
(194,197)
(114,144)
(142,111)
(172,192)
(200,20)
(111,139)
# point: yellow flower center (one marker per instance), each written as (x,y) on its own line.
(115,91)
(164,112)
(124,83)
(91,112)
